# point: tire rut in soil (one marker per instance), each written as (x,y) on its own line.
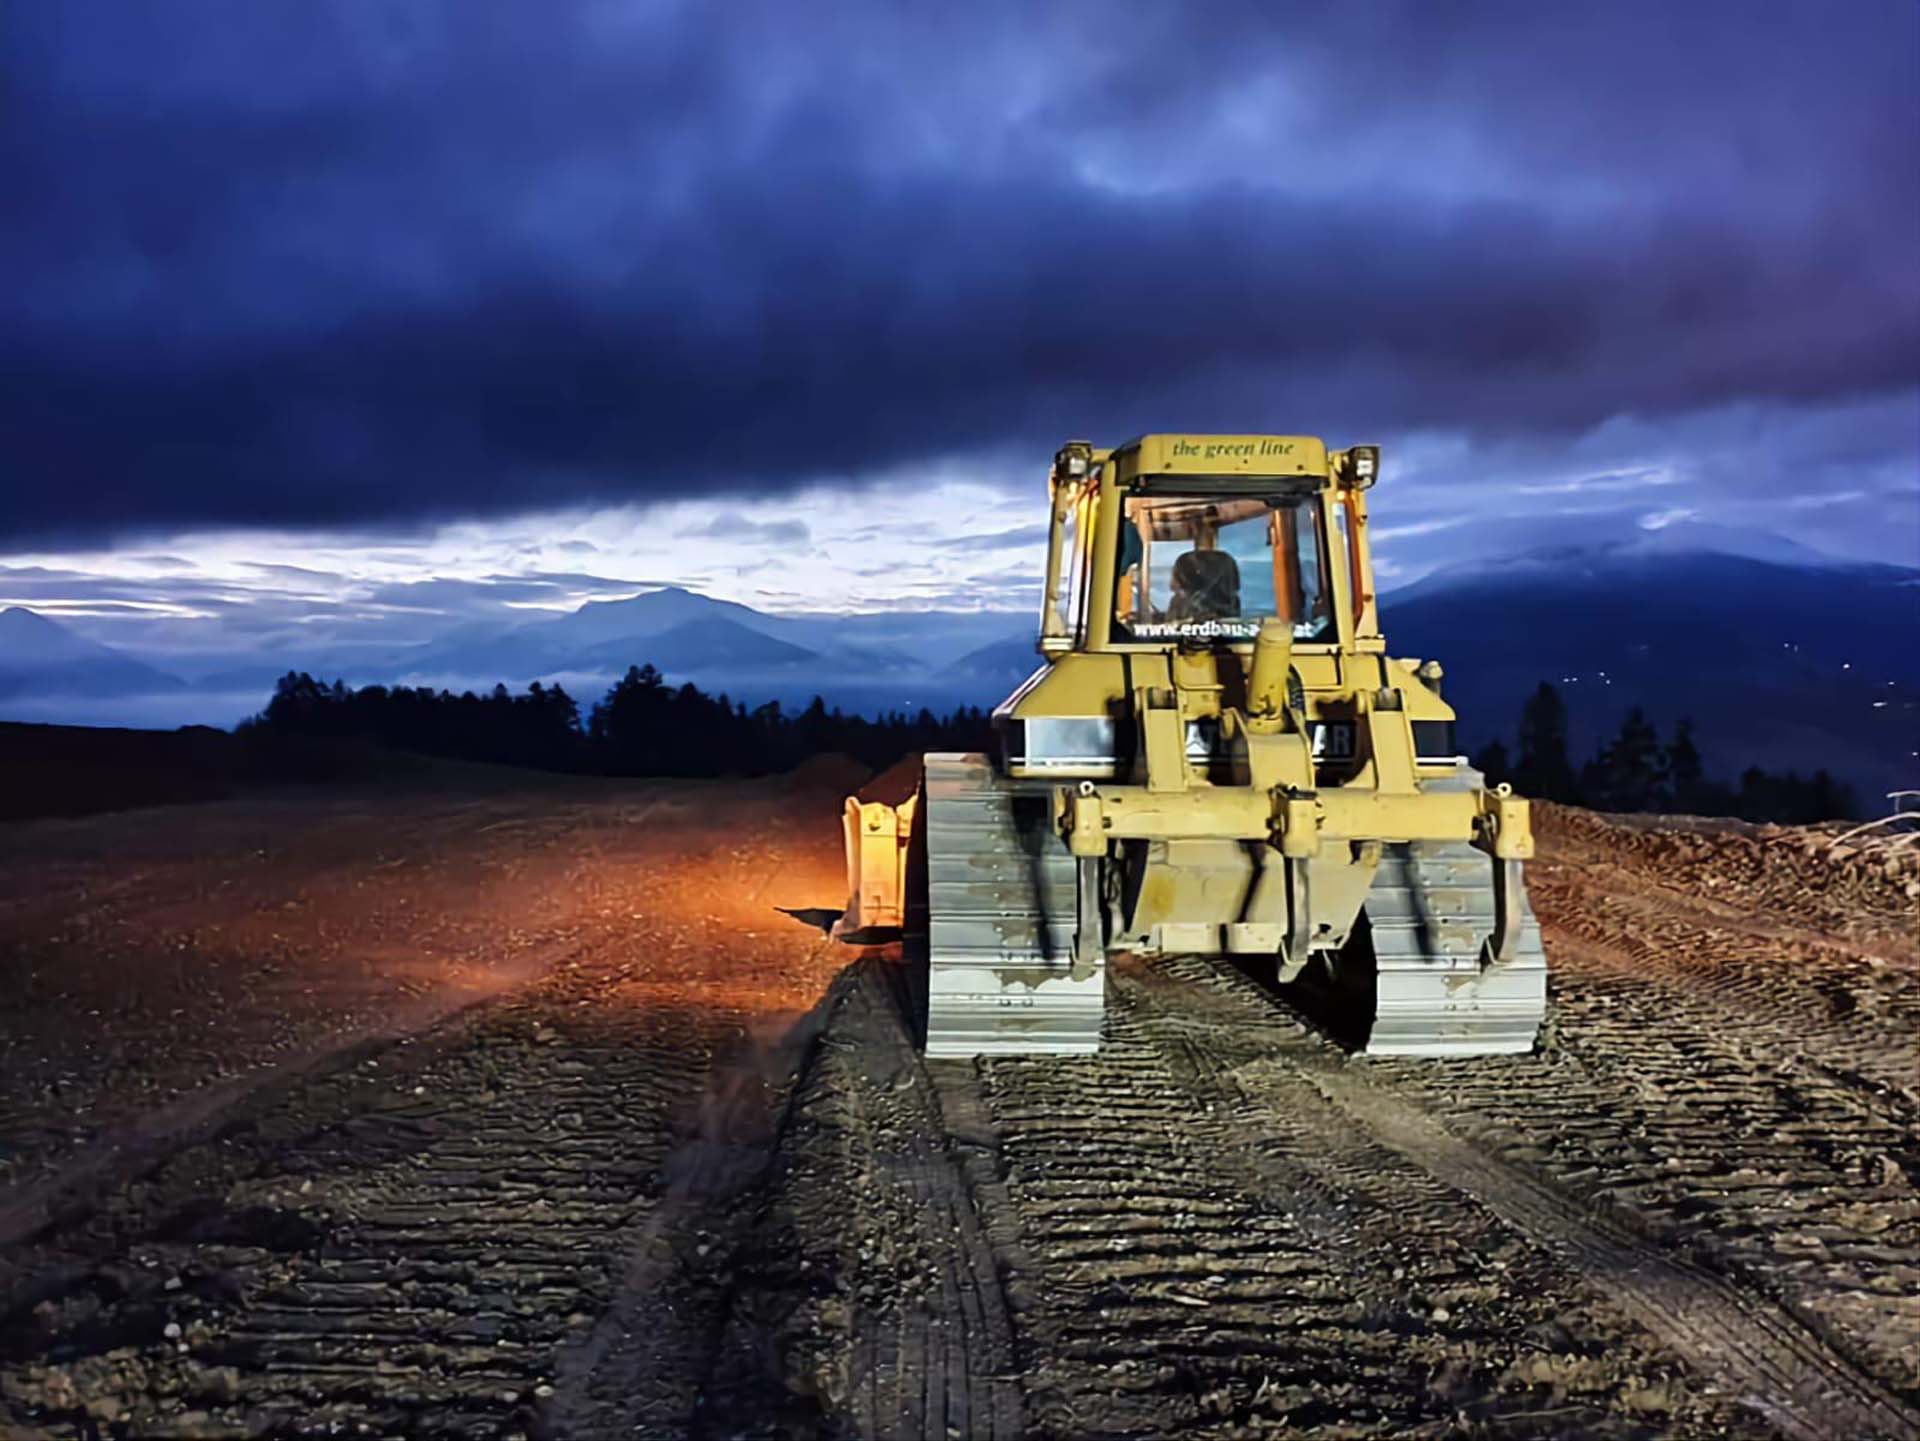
(870,1301)
(1202,1259)
(1774,1364)
(1803,1048)
(699,1320)
(1777,1358)
(403,1248)
(1648,1103)
(1831,1002)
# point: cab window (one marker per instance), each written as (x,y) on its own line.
(1212,568)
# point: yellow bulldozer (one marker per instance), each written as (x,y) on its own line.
(1216,755)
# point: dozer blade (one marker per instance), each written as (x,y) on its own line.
(1431,909)
(1001,916)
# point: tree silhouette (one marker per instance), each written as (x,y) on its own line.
(1687,786)
(1542,768)
(1629,773)
(1493,762)
(1634,772)
(641,727)
(1765,797)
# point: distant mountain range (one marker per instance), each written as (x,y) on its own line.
(718,643)
(40,657)
(1783,657)
(871,661)
(1784,666)
(715,643)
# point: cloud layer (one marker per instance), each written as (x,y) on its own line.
(385,268)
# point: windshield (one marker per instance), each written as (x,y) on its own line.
(1212,568)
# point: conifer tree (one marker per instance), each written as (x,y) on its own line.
(1542,768)
(1629,773)
(1493,762)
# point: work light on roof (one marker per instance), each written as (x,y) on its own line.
(1364,465)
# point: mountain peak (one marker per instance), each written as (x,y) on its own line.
(1614,548)
(40,655)
(1746,542)
(702,644)
(20,626)
(653,593)
(648,613)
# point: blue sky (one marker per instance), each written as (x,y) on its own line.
(349,317)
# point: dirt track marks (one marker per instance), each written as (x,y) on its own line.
(1769,1360)
(411,1267)
(1736,1336)
(420,1239)
(872,1271)
(645,1367)
(1851,1009)
(628,1186)
(1764,1170)
(1207,1256)
(1739,1068)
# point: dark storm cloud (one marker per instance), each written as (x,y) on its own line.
(332,264)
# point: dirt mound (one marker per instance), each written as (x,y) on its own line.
(894,784)
(831,773)
(79,770)
(843,775)
(87,770)
(1849,888)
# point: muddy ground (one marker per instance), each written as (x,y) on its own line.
(543,1108)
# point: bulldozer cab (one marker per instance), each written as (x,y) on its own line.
(1194,541)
